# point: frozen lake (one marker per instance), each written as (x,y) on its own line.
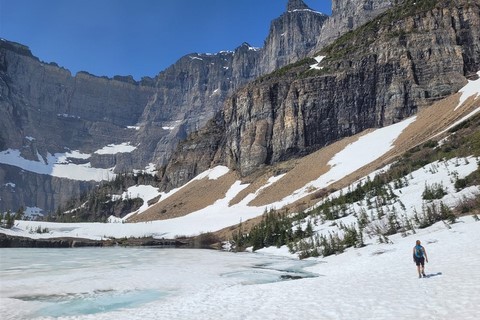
(377,282)
(112,282)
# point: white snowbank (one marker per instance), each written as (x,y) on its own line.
(116,148)
(57,165)
(213,174)
(32,212)
(316,66)
(134,127)
(471,89)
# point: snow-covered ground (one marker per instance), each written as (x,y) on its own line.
(378,281)
(60,164)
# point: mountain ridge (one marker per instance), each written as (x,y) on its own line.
(180,100)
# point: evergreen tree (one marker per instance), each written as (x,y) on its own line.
(9,220)
(19,214)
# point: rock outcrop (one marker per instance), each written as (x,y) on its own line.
(292,36)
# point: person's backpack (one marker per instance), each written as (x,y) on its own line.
(419,251)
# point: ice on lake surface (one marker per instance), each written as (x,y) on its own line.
(77,282)
(90,303)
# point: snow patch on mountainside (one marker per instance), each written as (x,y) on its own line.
(57,165)
(316,66)
(471,89)
(144,192)
(213,174)
(116,148)
(365,150)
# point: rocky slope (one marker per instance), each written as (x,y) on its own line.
(385,71)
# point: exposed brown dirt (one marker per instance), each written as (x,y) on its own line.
(307,169)
(195,196)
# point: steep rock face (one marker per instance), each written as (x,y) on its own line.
(189,93)
(200,151)
(43,109)
(292,36)
(387,75)
(38,190)
(382,73)
(46,103)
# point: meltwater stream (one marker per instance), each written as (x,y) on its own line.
(93,282)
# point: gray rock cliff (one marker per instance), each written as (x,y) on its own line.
(292,36)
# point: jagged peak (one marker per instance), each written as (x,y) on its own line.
(246,46)
(293,5)
(16,47)
(300,6)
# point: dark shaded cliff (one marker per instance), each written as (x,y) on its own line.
(47,103)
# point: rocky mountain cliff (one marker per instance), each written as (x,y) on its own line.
(383,72)
(45,110)
(292,36)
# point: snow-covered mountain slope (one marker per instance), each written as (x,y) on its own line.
(221,200)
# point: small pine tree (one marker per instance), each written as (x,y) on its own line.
(20,213)
(363,218)
(9,220)
(447,213)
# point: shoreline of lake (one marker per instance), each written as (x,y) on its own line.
(10,241)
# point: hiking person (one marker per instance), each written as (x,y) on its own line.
(419,257)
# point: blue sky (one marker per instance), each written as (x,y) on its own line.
(136,37)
